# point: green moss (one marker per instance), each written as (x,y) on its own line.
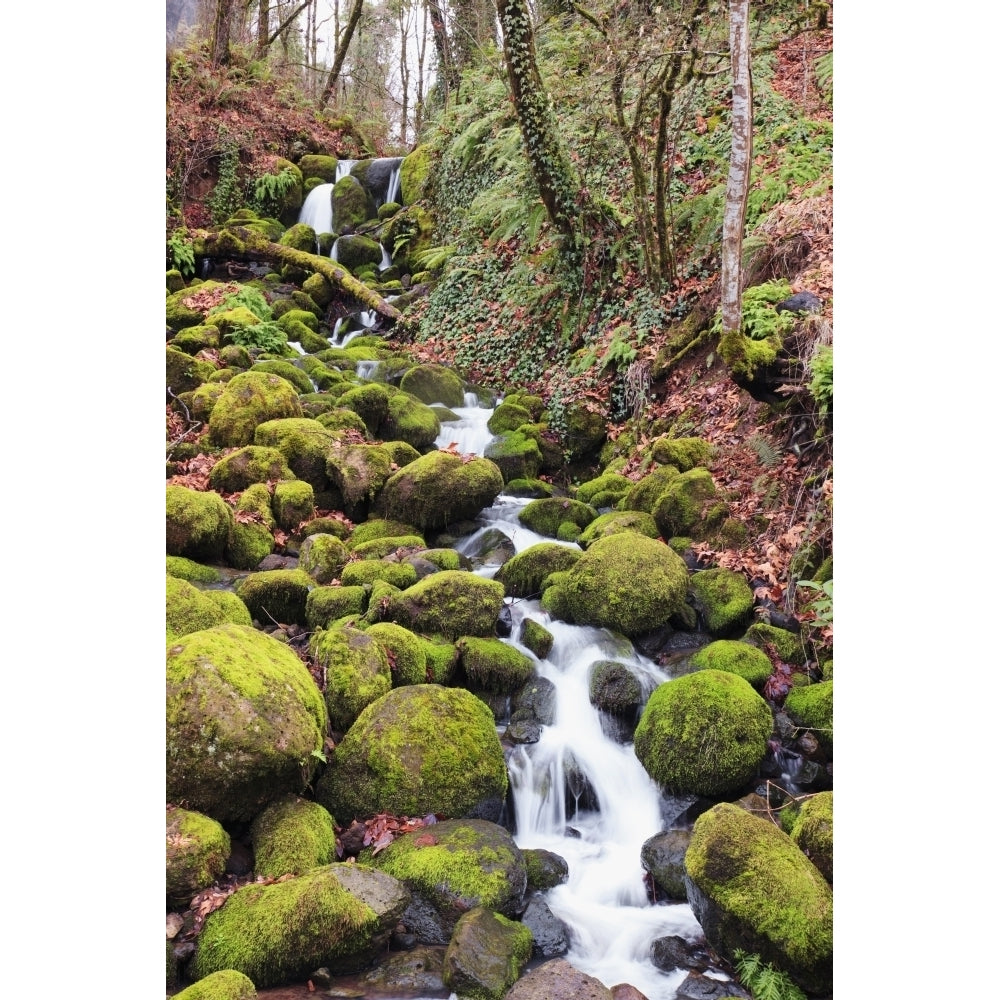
(291,837)
(197,524)
(414,173)
(197,851)
(287,371)
(452,603)
(277,595)
(522,574)
(379,528)
(367,571)
(233,608)
(193,572)
(184,373)
(323,557)
(735,657)
(411,421)
(247,465)
(773,900)
(508,416)
(536,637)
(485,955)
(294,502)
(250,399)
(189,610)
(370,402)
(811,707)
(359,471)
(724,598)
(684,453)
(516,455)
(226,984)
(688,505)
(788,645)
(546,515)
(442,659)
(357,672)
(545,869)
(704,733)
(407,655)
(617,521)
(431,383)
(325,605)
(610,484)
(492,665)
(644,494)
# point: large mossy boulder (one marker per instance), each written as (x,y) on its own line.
(682,453)
(486,954)
(735,657)
(338,916)
(352,204)
(305,444)
(703,734)
(250,399)
(405,651)
(614,522)
(545,516)
(522,575)
(432,383)
(451,603)
(198,524)
(245,722)
(625,582)
(451,867)
(246,466)
(812,832)
(724,599)
(689,506)
(359,471)
(197,850)
(357,672)
(492,665)
(414,172)
(323,557)
(291,837)
(411,421)
(419,749)
(191,610)
(277,596)
(644,494)
(515,454)
(226,984)
(752,889)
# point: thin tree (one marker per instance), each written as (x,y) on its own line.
(738,183)
(343,43)
(221,33)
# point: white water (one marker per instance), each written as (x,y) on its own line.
(317,209)
(343,168)
(395,180)
(604,900)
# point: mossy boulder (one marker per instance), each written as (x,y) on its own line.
(812,832)
(411,421)
(451,603)
(644,494)
(323,557)
(291,837)
(304,444)
(299,237)
(357,673)
(617,521)
(689,505)
(432,383)
(439,489)
(197,851)
(366,571)
(545,516)
(405,651)
(585,431)
(204,398)
(625,582)
(325,605)
(788,645)
(452,867)
(319,165)
(359,471)
(536,637)
(508,416)
(545,869)
(197,524)
(352,204)
(751,888)
(196,338)
(683,453)
(614,688)
(287,371)
(180,316)
(379,527)
(337,916)
(294,501)
(370,402)
(419,749)
(226,984)
(516,455)
(353,252)
(610,486)
(248,400)
(414,172)
(492,665)
(244,722)
(193,572)
(191,610)
(703,734)
(248,465)
(811,707)
(735,657)
(522,575)
(485,955)
(185,373)
(724,599)
(277,595)
(251,538)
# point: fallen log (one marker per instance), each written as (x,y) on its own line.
(238,241)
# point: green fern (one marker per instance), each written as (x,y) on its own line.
(823,69)
(766,452)
(181,252)
(267,337)
(269,190)
(821,378)
(763,980)
(247,297)
(433,258)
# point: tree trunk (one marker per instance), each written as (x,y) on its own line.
(237,240)
(549,163)
(221,32)
(341,54)
(263,17)
(474,26)
(738,184)
(447,71)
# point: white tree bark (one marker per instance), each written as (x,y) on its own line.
(740,159)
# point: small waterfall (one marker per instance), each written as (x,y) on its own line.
(343,169)
(333,250)
(469,433)
(366,369)
(386,259)
(395,182)
(317,209)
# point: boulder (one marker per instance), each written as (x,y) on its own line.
(356,670)
(558,980)
(197,851)
(245,722)
(545,516)
(812,832)
(689,506)
(323,557)
(735,657)
(617,521)
(419,749)
(304,443)
(291,837)
(811,707)
(246,466)
(277,596)
(522,575)
(492,665)
(197,524)
(550,935)
(248,400)
(191,610)
(724,599)
(486,954)
(411,422)
(451,603)
(405,651)
(662,856)
(432,383)
(226,984)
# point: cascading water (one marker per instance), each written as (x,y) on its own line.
(580,794)
(317,209)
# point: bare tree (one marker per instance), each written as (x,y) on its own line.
(343,43)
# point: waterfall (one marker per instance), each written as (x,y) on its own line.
(333,250)
(343,169)
(580,794)
(386,259)
(395,181)
(317,209)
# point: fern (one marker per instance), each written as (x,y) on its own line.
(821,378)
(763,980)
(269,190)
(824,75)
(433,258)
(181,252)
(267,337)
(766,452)
(247,297)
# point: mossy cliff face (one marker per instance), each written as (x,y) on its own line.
(751,888)
(419,749)
(244,719)
(197,851)
(703,734)
(339,916)
(625,582)
(451,867)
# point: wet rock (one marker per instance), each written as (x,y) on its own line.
(701,987)
(550,933)
(546,869)
(558,980)
(662,856)
(625,991)
(800,302)
(418,971)
(486,954)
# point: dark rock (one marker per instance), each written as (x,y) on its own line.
(662,855)
(546,869)
(240,859)
(417,971)
(505,623)
(523,731)
(700,987)
(538,698)
(558,980)
(275,561)
(800,302)
(669,953)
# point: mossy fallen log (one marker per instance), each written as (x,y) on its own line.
(239,241)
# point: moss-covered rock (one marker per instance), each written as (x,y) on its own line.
(181,316)
(251,538)
(485,955)
(352,205)
(226,984)
(452,867)
(536,637)
(197,851)
(585,430)
(287,371)
(616,521)
(439,489)
(508,416)
(367,571)
(190,610)
(319,165)
(523,574)
(451,603)
(644,494)
(235,610)
(546,515)
(197,524)
(414,173)
(625,582)
(185,373)
(735,657)
(405,651)
(545,869)
(432,383)
(492,665)
(703,734)
(323,557)
(751,888)
(304,444)
(338,916)
(196,338)
(419,749)
(614,688)
(299,237)
(788,645)
(294,501)
(359,471)
(291,837)
(689,505)
(442,659)
(250,399)
(248,465)
(244,720)
(357,672)
(379,527)
(325,605)
(683,453)
(724,599)
(812,832)
(411,421)
(370,402)
(277,595)
(355,251)
(193,572)
(662,855)
(811,707)
(516,455)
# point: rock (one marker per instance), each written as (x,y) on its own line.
(418,971)
(323,557)
(546,516)
(812,832)
(617,521)
(724,599)
(226,984)
(198,524)
(545,868)
(701,987)
(550,935)
(662,856)
(357,673)
(492,665)
(486,954)
(197,849)
(452,603)
(432,383)
(811,707)
(338,916)
(614,688)
(250,399)
(537,699)
(191,610)
(800,302)
(522,575)
(704,733)
(291,837)
(277,596)
(557,980)
(419,749)
(689,506)
(735,657)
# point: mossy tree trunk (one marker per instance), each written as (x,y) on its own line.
(474,26)
(240,240)
(549,164)
(738,183)
(221,32)
(447,70)
(341,54)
